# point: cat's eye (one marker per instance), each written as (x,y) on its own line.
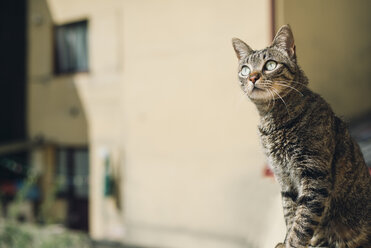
(245,71)
(270,65)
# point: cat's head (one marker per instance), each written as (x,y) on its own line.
(269,73)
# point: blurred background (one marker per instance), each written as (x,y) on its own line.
(122,121)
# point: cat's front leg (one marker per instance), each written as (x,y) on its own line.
(311,205)
(289,197)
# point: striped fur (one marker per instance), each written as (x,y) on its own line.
(325,184)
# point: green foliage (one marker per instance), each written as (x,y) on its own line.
(15,235)
(25,235)
(11,236)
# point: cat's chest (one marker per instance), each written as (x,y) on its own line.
(279,147)
(276,145)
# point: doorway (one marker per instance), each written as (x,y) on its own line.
(72,177)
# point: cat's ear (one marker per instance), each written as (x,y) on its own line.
(285,40)
(241,48)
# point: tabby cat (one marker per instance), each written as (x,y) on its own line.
(325,184)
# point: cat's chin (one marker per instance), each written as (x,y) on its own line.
(260,95)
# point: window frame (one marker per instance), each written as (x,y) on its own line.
(56,68)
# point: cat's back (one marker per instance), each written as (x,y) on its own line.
(350,202)
(350,176)
(318,135)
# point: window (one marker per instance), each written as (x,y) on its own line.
(72,172)
(71,49)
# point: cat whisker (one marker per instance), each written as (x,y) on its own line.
(287,81)
(271,100)
(292,81)
(266,84)
(284,85)
(288,86)
(275,91)
(270,92)
(284,82)
(242,98)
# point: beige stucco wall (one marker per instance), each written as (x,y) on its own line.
(50,99)
(163,101)
(193,159)
(333,45)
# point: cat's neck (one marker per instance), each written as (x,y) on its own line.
(279,112)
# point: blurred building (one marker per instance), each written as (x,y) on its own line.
(143,135)
(148,90)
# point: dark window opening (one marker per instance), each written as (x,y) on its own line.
(71,48)
(72,179)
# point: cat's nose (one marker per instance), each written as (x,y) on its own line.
(254,77)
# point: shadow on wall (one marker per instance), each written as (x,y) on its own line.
(333,46)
